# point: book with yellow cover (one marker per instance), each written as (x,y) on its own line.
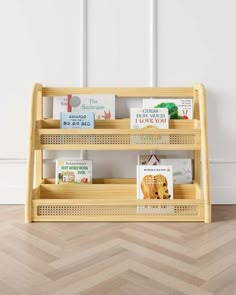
(154,182)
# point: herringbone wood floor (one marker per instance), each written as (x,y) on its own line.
(117,258)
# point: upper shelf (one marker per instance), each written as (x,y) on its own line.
(116,135)
(122,91)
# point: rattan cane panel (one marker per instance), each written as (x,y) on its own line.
(108,210)
(182,139)
(117,139)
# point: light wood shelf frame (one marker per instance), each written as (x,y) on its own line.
(115,199)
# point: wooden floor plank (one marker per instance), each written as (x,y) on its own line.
(215,268)
(93,258)
(149,284)
(222,280)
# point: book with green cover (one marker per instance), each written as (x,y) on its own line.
(178,108)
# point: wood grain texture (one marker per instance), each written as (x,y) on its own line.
(204,151)
(125,92)
(117,258)
(36,94)
(116,135)
(123,123)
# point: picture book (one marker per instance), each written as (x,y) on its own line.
(148,159)
(82,120)
(149,117)
(182,170)
(103,106)
(178,108)
(154,182)
(59,105)
(73,171)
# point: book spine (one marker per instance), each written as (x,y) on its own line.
(56,180)
(138,182)
(69,108)
(61,118)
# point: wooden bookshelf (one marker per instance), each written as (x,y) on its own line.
(115,199)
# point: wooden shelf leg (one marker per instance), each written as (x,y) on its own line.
(39,153)
(204,153)
(207,214)
(30,168)
(37,93)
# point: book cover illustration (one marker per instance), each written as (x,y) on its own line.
(146,118)
(182,170)
(178,108)
(80,120)
(154,182)
(148,159)
(103,106)
(73,171)
(59,105)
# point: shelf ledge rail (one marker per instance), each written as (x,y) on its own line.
(35,156)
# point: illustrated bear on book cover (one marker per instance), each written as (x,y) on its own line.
(154,182)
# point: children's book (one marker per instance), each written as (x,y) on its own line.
(154,182)
(178,108)
(148,159)
(141,118)
(149,117)
(103,106)
(182,170)
(73,171)
(82,120)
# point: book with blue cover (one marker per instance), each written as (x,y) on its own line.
(80,120)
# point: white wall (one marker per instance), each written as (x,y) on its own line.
(39,43)
(42,43)
(196,43)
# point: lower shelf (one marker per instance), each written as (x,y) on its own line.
(109,200)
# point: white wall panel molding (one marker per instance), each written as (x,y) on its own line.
(223,194)
(118,43)
(12,181)
(83,48)
(222,161)
(153,43)
(83,51)
(12,194)
(12,161)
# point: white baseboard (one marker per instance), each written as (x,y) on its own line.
(17,194)
(12,195)
(223,195)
